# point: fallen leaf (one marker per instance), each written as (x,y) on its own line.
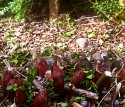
(100,41)
(13,105)
(74,104)
(51,78)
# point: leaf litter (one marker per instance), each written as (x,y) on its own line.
(100,43)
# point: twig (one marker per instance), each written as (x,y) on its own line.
(116,93)
(3,100)
(117,14)
(108,93)
(119,32)
(37,85)
(8,65)
(15,69)
(105,95)
(21,74)
(123,65)
(116,54)
(108,17)
(86,17)
(24,66)
(45,79)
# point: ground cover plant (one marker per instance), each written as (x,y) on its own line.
(63,62)
(113,10)
(40,66)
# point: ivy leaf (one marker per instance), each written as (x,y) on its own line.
(9,87)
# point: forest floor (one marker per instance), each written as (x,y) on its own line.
(63,33)
(87,36)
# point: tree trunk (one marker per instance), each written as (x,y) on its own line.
(53,8)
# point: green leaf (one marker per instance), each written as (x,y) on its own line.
(32,71)
(66,78)
(64,105)
(22,87)
(124,96)
(86,71)
(15,61)
(78,99)
(92,35)
(94,85)
(15,87)
(9,87)
(89,88)
(90,76)
(105,36)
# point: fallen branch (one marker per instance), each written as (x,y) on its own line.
(82,92)
(106,95)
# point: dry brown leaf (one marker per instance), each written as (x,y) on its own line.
(13,105)
(74,104)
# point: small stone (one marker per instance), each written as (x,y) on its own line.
(84,103)
(27,69)
(82,42)
(116,103)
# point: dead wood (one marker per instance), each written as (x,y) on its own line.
(82,92)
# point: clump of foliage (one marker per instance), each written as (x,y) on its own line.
(19,58)
(110,9)
(17,8)
(4,2)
